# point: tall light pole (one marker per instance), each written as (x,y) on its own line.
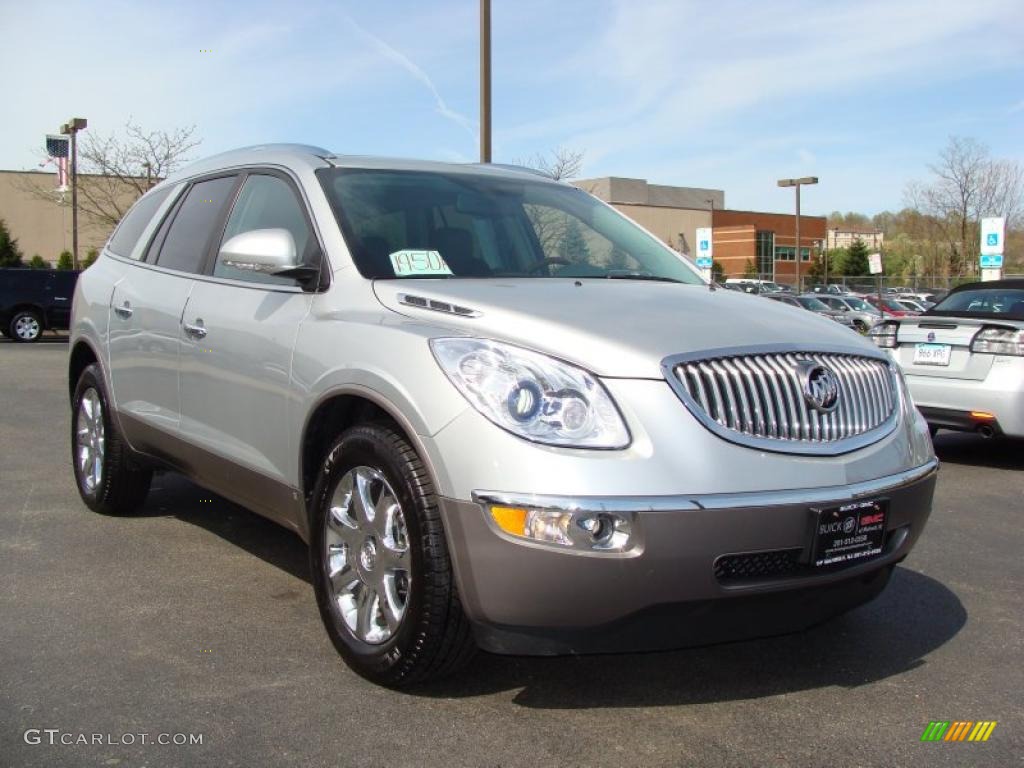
(72,127)
(797,183)
(485,81)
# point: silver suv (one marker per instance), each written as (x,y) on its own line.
(501,414)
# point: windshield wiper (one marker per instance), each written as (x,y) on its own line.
(640,276)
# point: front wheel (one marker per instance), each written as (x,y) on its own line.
(380,564)
(109,478)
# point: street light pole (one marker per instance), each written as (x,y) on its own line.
(797,183)
(485,81)
(72,127)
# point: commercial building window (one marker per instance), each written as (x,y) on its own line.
(788,253)
(764,244)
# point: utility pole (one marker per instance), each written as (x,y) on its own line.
(485,81)
(797,183)
(72,127)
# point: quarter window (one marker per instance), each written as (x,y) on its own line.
(266,202)
(189,236)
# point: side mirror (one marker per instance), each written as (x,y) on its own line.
(271,251)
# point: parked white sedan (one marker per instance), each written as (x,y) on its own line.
(964,358)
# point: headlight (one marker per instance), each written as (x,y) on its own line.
(999,341)
(884,335)
(532,395)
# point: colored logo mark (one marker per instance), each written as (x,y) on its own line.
(958,730)
(703,245)
(992,239)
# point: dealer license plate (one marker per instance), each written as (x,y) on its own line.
(849,533)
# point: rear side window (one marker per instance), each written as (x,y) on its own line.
(132,225)
(190,234)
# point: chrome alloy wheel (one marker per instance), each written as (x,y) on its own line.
(89,439)
(367,557)
(27,328)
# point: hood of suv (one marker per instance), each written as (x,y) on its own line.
(616,328)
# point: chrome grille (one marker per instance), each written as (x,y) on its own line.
(759,399)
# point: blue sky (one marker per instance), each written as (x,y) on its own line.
(731,95)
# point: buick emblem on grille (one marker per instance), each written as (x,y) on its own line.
(819,384)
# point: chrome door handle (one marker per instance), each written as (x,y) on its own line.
(195,331)
(125,311)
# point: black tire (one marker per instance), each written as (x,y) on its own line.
(434,638)
(123,480)
(26,326)
(861,327)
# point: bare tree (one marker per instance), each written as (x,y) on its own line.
(967,185)
(560,164)
(125,167)
(115,170)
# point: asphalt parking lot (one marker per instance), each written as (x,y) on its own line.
(198,617)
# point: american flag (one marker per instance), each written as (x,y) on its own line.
(57,149)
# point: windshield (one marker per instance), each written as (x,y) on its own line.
(809,302)
(460,224)
(858,304)
(1005,302)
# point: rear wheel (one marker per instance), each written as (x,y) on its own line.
(110,479)
(861,326)
(381,570)
(26,326)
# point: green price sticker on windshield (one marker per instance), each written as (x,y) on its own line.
(410,263)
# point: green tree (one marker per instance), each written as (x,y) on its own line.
(38,262)
(90,258)
(717,271)
(10,254)
(750,270)
(856,261)
(64,261)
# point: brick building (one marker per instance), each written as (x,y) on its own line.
(767,241)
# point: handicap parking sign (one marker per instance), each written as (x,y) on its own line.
(703,245)
(992,239)
(992,261)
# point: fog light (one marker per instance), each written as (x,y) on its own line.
(581,530)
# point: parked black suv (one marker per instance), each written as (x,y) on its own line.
(35,300)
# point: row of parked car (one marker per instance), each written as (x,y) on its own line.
(858,310)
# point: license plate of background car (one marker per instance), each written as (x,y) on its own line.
(849,533)
(931,354)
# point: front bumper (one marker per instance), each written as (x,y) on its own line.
(670,589)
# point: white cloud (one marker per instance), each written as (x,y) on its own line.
(391,53)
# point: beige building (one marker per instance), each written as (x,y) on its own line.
(671,213)
(40,217)
(844,237)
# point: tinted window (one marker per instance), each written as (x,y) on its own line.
(984,301)
(130,229)
(188,239)
(266,202)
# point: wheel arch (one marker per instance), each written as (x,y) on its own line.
(81,357)
(340,408)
